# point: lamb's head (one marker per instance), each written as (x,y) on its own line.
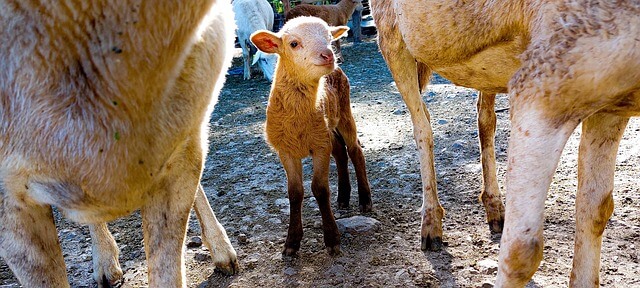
(266,62)
(304,47)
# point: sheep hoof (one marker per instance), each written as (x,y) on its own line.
(343,206)
(334,250)
(431,244)
(496,225)
(366,208)
(289,253)
(228,269)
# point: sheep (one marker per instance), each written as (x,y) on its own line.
(334,15)
(309,113)
(547,56)
(251,16)
(105,112)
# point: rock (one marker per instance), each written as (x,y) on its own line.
(194,242)
(290,271)
(486,284)
(442,121)
(458,145)
(357,224)
(487,266)
(201,257)
(336,270)
(243,239)
(399,112)
(282,202)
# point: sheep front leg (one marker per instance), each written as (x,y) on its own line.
(214,236)
(293,168)
(29,243)
(490,195)
(535,147)
(601,135)
(320,189)
(104,252)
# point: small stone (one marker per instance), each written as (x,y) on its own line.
(399,112)
(357,224)
(290,271)
(194,242)
(486,284)
(487,266)
(442,121)
(242,238)
(201,257)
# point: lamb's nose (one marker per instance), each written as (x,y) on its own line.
(327,56)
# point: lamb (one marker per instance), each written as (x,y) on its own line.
(309,114)
(105,112)
(547,56)
(251,16)
(334,15)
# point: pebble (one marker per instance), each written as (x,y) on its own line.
(357,224)
(290,271)
(201,257)
(486,284)
(194,242)
(442,121)
(243,239)
(488,266)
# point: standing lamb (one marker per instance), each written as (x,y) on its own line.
(251,16)
(309,114)
(550,55)
(105,112)
(334,15)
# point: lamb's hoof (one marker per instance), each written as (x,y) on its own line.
(343,205)
(289,253)
(366,208)
(106,283)
(334,250)
(230,268)
(429,244)
(496,226)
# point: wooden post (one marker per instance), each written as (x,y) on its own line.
(356,19)
(287,7)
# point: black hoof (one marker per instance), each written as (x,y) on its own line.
(231,269)
(429,244)
(496,226)
(334,250)
(343,205)
(366,208)
(289,253)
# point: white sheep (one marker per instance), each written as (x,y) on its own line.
(251,16)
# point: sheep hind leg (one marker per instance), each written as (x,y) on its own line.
(104,252)
(594,201)
(214,236)
(490,195)
(404,68)
(320,189)
(29,243)
(339,152)
(347,128)
(293,168)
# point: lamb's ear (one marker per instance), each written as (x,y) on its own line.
(338,31)
(266,41)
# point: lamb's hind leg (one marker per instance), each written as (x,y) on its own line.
(347,128)
(104,250)
(490,195)
(404,69)
(339,153)
(214,236)
(601,134)
(29,243)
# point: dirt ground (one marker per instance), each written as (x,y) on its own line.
(246,186)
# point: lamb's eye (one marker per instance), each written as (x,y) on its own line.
(294,44)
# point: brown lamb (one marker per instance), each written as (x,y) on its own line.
(309,114)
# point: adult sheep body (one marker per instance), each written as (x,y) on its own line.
(549,56)
(251,16)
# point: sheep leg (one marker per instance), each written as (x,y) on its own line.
(246,59)
(490,195)
(166,213)
(320,189)
(347,128)
(29,242)
(293,168)
(214,236)
(535,147)
(601,135)
(339,152)
(104,252)
(404,69)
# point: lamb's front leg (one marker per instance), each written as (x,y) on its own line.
(293,168)
(534,151)
(320,189)
(601,134)
(104,253)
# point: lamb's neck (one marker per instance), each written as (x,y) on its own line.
(297,94)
